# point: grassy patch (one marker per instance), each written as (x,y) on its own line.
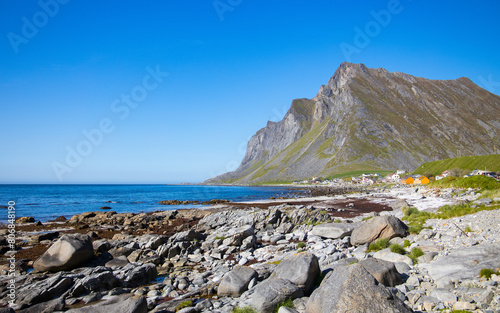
(414,254)
(491,162)
(407,243)
(416,219)
(486,272)
(366,218)
(397,248)
(184,304)
(274,262)
(220,238)
(244,309)
(286,303)
(477,182)
(378,245)
(301,245)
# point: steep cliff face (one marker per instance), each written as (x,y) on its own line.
(365,119)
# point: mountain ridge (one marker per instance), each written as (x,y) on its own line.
(366,118)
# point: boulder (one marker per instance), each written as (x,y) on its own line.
(384,272)
(135,274)
(463,264)
(98,279)
(124,304)
(377,228)
(25,219)
(353,289)
(67,253)
(301,269)
(236,281)
(333,230)
(272,291)
(389,256)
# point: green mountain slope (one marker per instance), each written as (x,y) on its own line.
(482,162)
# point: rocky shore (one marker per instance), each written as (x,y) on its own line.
(309,254)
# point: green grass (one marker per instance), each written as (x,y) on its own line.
(286,303)
(184,304)
(416,219)
(468,230)
(490,162)
(477,182)
(301,245)
(397,248)
(407,243)
(486,272)
(414,254)
(358,173)
(366,218)
(378,245)
(244,309)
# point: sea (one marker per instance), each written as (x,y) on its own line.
(47,202)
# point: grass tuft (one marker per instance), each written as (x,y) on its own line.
(183,305)
(396,248)
(286,303)
(378,245)
(244,309)
(414,254)
(486,272)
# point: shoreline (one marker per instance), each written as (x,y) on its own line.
(185,254)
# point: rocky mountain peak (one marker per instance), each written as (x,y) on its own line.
(366,119)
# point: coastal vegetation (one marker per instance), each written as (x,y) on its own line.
(469,163)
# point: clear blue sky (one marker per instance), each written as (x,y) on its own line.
(232,66)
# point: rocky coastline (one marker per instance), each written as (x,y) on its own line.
(296,255)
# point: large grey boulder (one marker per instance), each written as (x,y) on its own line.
(333,230)
(463,264)
(353,289)
(377,228)
(384,272)
(236,281)
(272,291)
(67,253)
(123,304)
(301,269)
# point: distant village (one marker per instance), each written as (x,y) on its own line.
(398,177)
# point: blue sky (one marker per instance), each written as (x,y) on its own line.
(68,66)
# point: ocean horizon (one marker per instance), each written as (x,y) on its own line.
(48,201)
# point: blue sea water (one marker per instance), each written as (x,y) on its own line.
(46,202)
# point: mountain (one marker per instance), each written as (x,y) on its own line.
(369,119)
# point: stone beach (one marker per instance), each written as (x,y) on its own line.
(313,254)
